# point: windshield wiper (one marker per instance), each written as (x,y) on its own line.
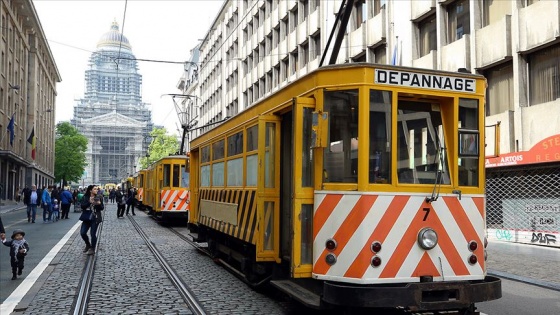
(439,161)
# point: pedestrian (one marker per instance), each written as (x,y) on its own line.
(17,198)
(66,201)
(2,230)
(130,201)
(112,194)
(18,250)
(47,204)
(32,200)
(55,194)
(55,210)
(121,202)
(91,205)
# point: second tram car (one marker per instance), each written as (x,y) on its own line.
(166,192)
(357,185)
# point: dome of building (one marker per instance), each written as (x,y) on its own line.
(113,38)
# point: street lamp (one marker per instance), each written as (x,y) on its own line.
(184,114)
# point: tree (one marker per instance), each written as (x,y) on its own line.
(162,145)
(70,153)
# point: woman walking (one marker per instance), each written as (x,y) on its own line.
(91,205)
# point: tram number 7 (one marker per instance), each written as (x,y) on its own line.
(427,210)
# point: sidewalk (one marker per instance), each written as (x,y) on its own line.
(9,206)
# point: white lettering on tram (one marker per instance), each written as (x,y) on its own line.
(423,80)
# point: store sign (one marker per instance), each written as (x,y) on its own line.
(545,151)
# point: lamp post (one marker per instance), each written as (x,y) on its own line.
(184,114)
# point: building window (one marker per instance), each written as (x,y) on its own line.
(458,15)
(360,13)
(527,3)
(379,54)
(544,75)
(378,5)
(494,10)
(284,69)
(304,54)
(428,35)
(294,66)
(499,93)
(316,45)
(293,19)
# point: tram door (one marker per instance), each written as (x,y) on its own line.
(297,188)
(268,188)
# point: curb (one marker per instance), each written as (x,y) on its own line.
(541,283)
(2,211)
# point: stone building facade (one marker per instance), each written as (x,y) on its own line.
(112,115)
(28,78)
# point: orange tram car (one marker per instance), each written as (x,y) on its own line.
(357,185)
(163,189)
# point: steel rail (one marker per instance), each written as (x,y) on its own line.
(80,304)
(183,289)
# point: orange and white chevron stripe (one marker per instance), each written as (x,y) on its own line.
(356,220)
(140,194)
(174,200)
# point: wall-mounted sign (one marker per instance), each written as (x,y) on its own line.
(545,151)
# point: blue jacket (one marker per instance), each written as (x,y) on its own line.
(46,198)
(66,197)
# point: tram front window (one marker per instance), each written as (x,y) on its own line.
(421,155)
(341,154)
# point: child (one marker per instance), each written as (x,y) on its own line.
(18,250)
(55,212)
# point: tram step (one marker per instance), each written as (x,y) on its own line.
(298,292)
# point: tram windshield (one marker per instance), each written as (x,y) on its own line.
(421,153)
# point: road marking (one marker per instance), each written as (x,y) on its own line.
(12,301)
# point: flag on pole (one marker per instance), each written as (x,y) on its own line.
(394,59)
(11,130)
(31,140)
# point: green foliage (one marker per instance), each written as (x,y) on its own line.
(162,145)
(70,153)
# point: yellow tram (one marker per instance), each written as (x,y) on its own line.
(140,184)
(356,185)
(166,192)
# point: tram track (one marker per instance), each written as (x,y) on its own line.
(183,290)
(81,300)
(80,304)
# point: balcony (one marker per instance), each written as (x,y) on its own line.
(539,24)
(356,44)
(376,31)
(428,61)
(493,42)
(419,8)
(456,55)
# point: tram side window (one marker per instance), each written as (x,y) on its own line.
(469,142)
(379,133)
(176,175)
(341,155)
(252,157)
(205,169)
(166,175)
(421,157)
(185,176)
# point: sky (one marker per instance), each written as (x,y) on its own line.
(156,29)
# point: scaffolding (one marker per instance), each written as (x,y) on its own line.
(112,115)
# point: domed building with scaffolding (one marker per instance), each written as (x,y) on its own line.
(111,115)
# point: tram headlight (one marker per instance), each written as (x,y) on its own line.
(330,259)
(427,238)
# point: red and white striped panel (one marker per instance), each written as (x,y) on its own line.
(356,220)
(140,194)
(172,200)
